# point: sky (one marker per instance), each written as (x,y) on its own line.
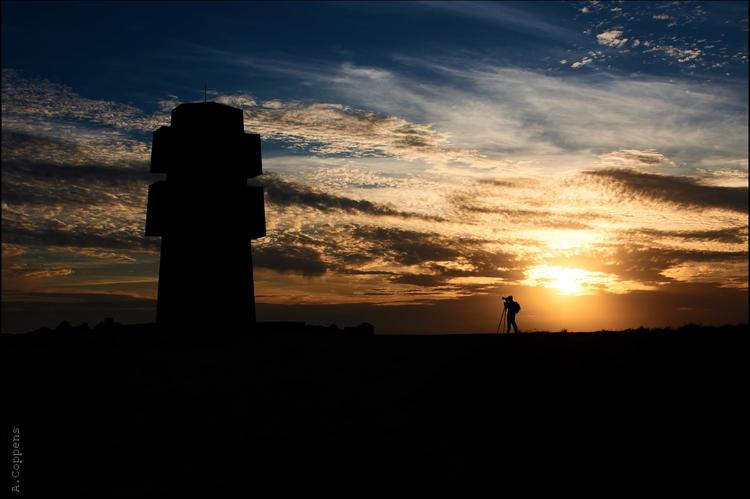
(420,159)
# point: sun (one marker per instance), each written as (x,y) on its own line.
(567,281)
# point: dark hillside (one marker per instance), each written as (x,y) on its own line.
(126,411)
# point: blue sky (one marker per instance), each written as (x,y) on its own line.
(402,141)
(138,53)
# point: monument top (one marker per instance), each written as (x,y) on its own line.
(207,117)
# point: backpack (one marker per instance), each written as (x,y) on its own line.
(516,307)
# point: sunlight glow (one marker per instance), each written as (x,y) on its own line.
(569,281)
(565,239)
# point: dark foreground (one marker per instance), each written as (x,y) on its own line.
(128,413)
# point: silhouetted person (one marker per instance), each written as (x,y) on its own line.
(512,308)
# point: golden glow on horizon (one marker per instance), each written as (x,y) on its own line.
(568,281)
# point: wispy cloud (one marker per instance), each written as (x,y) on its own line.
(508,16)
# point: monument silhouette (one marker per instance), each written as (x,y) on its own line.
(206,216)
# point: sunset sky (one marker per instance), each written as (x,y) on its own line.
(420,159)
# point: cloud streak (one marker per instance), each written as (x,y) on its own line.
(286,193)
(681,191)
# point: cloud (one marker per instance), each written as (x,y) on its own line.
(42,113)
(416,182)
(681,191)
(469,202)
(288,258)
(504,183)
(681,54)
(336,129)
(583,62)
(504,113)
(686,36)
(45,101)
(387,256)
(645,264)
(37,271)
(52,232)
(92,173)
(635,158)
(95,253)
(612,38)
(429,259)
(287,193)
(407,247)
(726,177)
(490,115)
(508,16)
(728,235)
(48,272)
(727,274)
(11,250)
(514,114)
(72,146)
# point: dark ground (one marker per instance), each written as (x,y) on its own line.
(130,412)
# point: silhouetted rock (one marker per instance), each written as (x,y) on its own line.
(364,329)
(63,326)
(108,325)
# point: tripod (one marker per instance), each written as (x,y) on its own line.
(503,317)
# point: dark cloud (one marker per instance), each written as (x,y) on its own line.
(438,258)
(40,170)
(64,202)
(682,191)
(407,247)
(427,280)
(285,193)
(463,257)
(91,173)
(496,183)
(293,259)
(468,202)
(51,233)
(729,235)
(73,191)
(508,182)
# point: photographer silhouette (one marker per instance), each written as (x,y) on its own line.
(511,308)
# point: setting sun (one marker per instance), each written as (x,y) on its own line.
(569,281)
